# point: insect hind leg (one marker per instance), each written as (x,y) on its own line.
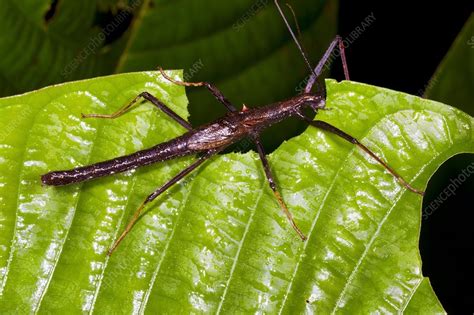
(157,193)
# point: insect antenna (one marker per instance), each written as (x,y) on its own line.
(298,28)
(300,47)
(295,38)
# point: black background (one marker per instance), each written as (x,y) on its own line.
(401,51)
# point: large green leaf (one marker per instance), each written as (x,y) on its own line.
(453,80)
(218,241)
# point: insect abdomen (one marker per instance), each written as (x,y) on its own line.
(158,153)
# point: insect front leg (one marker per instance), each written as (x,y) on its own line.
(332,129)
(212,88)
(271,182)
(337,42)
(147,96)
(157,193)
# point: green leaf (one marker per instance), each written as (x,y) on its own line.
(217,242)
(424,301)
(453,80)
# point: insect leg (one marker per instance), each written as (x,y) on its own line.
(157,193)
(212,88)
(147,96)
(324,60)
(332,129)
(271,182)
(337,42)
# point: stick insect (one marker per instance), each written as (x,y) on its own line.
(210,139)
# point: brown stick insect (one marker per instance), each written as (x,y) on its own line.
(210,139)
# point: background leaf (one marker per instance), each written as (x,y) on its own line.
(217,241)
(453,80)
(37,52)
(242,46)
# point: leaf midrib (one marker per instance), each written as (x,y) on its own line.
(133,33)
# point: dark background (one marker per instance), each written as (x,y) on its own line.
(401,51)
